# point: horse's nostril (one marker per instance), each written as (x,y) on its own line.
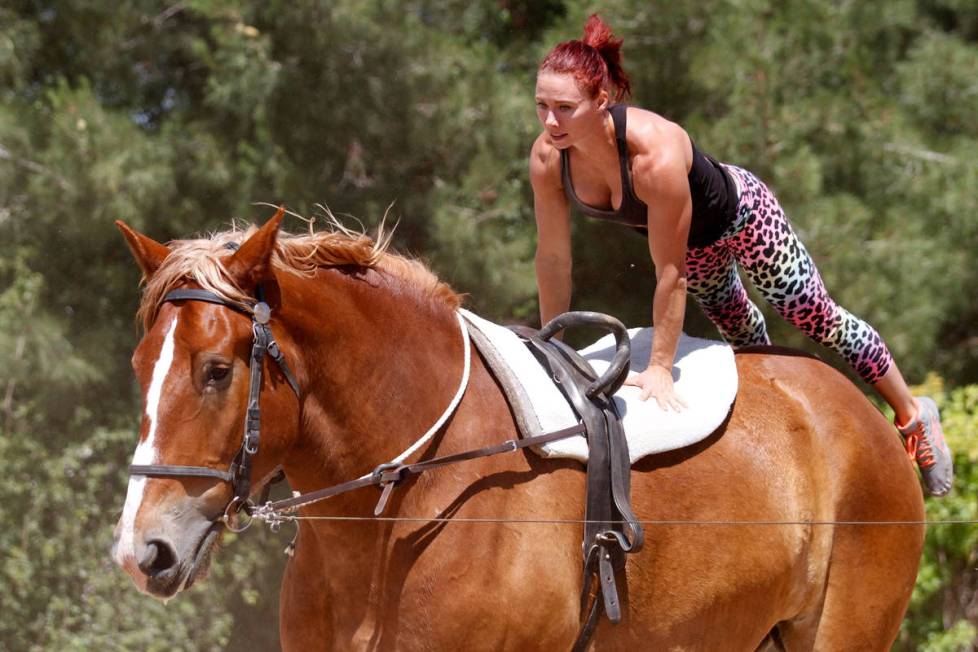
(157,558)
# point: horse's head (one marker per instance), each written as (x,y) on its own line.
(193,365)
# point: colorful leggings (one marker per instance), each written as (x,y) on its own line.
(763,243)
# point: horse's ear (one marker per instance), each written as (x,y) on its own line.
(149,253)
(252,262)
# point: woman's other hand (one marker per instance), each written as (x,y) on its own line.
(656,381)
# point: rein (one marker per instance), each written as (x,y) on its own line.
(386,476)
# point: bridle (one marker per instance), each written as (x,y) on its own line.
(386,476)
(238,474)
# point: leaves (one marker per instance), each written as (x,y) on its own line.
(943,605)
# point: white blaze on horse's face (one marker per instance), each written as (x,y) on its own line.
(146,451)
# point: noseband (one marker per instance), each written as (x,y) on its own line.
(238,474)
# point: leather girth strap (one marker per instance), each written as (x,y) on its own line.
(612,529)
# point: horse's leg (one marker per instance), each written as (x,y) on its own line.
(863,606)
(863,603)
(303,616)
(872,568)
(772,642)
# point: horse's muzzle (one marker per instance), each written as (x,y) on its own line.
(168,549)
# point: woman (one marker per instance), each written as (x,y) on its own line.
(703,218)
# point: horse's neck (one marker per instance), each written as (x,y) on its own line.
(381,371)
(381,368)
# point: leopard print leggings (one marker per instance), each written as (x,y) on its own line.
(763,243)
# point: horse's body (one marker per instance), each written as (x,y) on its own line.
(378,358)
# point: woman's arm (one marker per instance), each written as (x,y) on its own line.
(553,254)
(661,182)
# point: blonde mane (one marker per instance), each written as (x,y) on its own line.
(200,261)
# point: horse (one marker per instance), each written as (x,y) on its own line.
(796,525)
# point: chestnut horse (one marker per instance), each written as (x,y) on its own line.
(749,536)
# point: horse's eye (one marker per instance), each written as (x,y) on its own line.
(215,375)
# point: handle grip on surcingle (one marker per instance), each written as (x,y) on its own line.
(617,371)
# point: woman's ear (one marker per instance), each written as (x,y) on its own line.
(604,99)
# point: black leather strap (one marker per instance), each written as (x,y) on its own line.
(172,471)
(190,294)
(617,371)
(621,486)
(279,358)
(611,529)
(589,626)
(238,474)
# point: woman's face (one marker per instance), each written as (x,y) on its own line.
(568,115)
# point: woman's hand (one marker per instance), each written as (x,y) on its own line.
(656,381)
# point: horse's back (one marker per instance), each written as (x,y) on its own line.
(750,514)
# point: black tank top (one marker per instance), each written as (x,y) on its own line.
(713,192)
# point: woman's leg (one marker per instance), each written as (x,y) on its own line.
(712,279)
(893,388)
(780,268)
(714,282)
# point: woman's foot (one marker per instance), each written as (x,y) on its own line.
(926,446)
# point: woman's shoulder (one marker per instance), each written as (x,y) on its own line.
(648,132)
(655,142)
(544,162)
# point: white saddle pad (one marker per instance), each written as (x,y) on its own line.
(704,372)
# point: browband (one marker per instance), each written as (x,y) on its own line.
(188,294)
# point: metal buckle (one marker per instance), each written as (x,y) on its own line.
(232,519)
(388,475)
(251,443)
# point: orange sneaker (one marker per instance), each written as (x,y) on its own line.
(926,446)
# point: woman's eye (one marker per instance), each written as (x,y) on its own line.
(565,107)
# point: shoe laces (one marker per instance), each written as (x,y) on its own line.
(919,448)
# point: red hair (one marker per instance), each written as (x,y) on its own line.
(595,61)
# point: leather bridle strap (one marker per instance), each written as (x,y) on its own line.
(173,471)
(238,474)
(190,294)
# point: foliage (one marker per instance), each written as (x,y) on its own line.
(944,607)
(63,592)
(177,117)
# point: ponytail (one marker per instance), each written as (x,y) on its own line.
(598,35)
(595,60)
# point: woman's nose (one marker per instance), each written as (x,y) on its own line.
(551,120)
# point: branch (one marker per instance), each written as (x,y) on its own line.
(924,154)
(33,166)
(167,14)
(8,399)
